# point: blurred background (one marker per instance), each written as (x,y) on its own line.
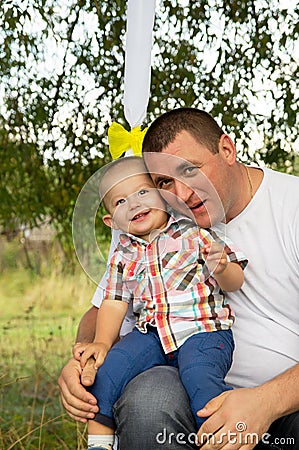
(61,85)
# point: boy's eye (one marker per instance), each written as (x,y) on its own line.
(142,191)
(120,201)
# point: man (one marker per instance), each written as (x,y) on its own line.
(261,215)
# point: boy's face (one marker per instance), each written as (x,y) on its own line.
(134,204)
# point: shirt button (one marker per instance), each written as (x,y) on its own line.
(149,246)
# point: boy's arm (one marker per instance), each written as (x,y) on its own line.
(109,320)
(231,278)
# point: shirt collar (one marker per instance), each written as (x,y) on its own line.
(176,220)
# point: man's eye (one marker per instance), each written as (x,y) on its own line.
(164,184)
(190,170)
(120,201)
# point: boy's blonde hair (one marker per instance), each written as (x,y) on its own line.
(127,161)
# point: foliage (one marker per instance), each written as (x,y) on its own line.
(61,66)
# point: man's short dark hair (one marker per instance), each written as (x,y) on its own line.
(201,125)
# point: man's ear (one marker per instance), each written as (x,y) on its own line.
(227,149)
(108,220)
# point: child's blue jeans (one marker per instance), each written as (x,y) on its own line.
(203,362)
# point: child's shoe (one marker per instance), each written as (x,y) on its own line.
(102,447)
(105,447)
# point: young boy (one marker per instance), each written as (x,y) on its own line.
(175,274)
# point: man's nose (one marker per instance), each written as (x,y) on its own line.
(182,191)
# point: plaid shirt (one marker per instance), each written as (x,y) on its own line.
(169,283)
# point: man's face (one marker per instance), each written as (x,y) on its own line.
(187,171)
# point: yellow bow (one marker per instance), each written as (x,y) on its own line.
(120,140)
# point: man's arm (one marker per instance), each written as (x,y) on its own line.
(80,404)
(254,408)
(87,326)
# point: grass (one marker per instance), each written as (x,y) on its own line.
(38,322)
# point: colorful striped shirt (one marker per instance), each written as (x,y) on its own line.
(169,283)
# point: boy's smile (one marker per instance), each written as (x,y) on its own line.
(134,204)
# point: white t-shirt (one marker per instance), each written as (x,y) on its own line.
(267,307)
(266,329)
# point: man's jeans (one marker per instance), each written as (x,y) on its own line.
(203,361)
(153,413)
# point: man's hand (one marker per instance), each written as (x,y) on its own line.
(236,420)
(79,404)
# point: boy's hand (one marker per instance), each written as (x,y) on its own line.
(78,349)
(215,257)
(98,350)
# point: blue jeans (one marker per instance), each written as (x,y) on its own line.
(161,418)
(203,362)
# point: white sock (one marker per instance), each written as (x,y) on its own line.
(96,440)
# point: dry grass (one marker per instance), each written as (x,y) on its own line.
(38,322)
